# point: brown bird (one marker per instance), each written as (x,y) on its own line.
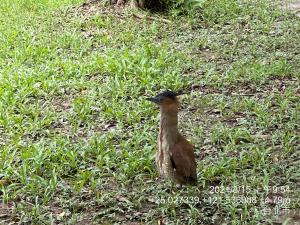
(175,157)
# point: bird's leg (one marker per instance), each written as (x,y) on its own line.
(121,2)
(175,188)
(173,191)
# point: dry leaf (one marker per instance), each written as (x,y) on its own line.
(61,215)
(4,182)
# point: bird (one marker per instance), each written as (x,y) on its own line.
(175,158)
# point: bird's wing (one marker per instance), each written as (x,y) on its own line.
(183,160)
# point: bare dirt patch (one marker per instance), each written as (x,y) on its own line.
(293,6)
(272,85)
(6,211)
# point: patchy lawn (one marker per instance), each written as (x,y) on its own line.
(77,138)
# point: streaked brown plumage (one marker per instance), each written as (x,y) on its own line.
(175,157)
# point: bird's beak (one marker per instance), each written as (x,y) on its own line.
(155,100)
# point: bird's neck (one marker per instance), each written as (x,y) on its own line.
(168,129)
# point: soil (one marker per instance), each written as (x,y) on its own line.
(293,6)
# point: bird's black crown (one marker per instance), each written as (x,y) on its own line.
(168,94)
(158,99)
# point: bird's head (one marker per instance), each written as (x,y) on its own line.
(165,99)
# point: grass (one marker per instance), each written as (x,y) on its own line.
(77,137)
